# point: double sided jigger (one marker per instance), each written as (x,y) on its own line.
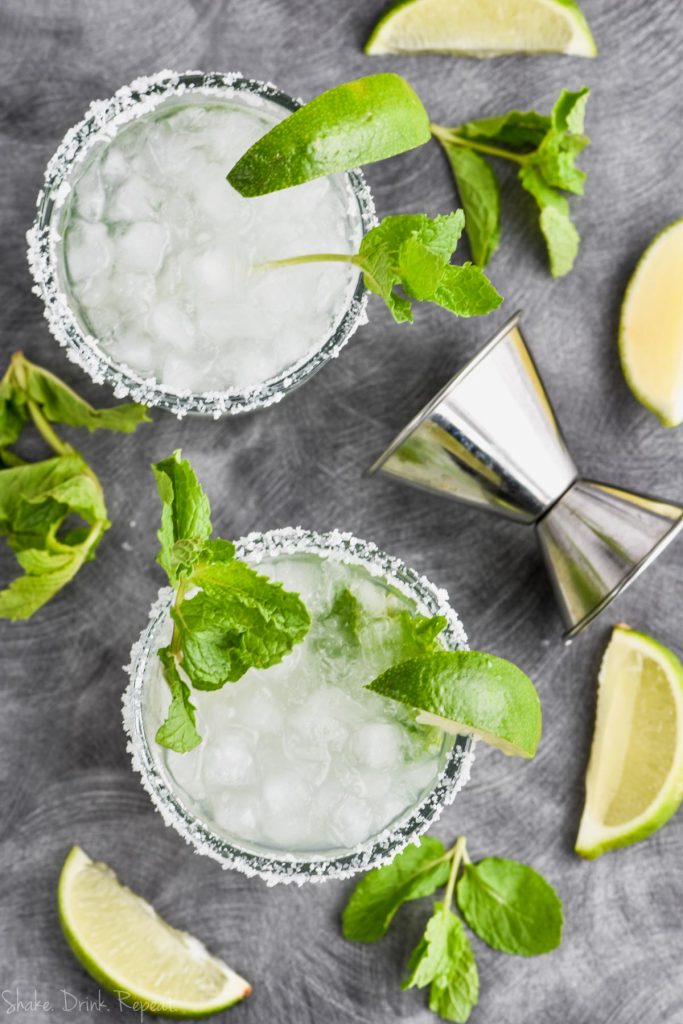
(490,439)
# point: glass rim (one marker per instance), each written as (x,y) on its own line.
(281,867)
(129,102)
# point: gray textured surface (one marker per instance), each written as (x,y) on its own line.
(65,776)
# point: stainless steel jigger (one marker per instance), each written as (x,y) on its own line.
(490,439)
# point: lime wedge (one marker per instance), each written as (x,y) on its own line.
(356,123)
(130,950)
(466,692)
(651,330)
(634,781)
(483,28)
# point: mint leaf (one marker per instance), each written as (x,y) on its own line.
(346,613)
(480,196)
(510,906)
(413,252)
(562,238)
(238,620)
(185,515)
(517,130)
(178,732)
(60,404)
(444,959)
(35,500)
(417,634)
(417,871)
(570,110)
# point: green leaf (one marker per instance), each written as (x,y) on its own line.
(555,161)
(562,238)
(480,196)
(570,110)
(346,613)
(444,959)
(510,906)
(518,131)
(417,634)
(238,620)
(178,732)
(455,991)
(185,515)
(61,404)
(413,251)
(35,500)
(414,873)
(13,414)
(45,573)
(467,291)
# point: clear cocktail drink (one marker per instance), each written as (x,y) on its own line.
(158,259)
(299,762)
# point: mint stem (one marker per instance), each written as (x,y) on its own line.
(459,854)
(449,136)
(46,431)
(314,257)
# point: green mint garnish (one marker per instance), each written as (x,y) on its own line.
(39,500)
(507,904)
(235,619)
(413,252)
(545,149)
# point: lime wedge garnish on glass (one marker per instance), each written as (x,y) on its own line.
(465,692)
(483,28)
(651,330)
(356,123)
(634,781)
(130,950)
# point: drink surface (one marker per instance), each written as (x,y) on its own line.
(300,758)
(159,251)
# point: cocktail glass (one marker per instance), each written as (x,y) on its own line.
(312,777)
(142,252)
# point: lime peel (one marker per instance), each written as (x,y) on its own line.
(125,946)
(469,693)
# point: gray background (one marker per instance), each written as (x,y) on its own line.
(65,773)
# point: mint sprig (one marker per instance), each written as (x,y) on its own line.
(39,501)
(233,620)
(507,904)
(545,149)
(413,252)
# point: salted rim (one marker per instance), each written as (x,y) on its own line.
(102,120)
(379,849)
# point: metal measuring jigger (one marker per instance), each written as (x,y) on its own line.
(490,439)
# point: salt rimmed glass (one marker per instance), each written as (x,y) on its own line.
(281,866)
(102,120)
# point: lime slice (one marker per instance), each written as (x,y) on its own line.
(123,943)
(483,28)
(634,781)
(356,123)
(466,692)
(651,330)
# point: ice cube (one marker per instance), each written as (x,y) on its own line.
(235,813)
(184,373)
(133,348)
(352,821)
(170,325)
(260,711)
(322,718)
(114,166)
(286,793)
(219,273)
(228,759)
(135,199)
(88,250)
(186,770)
(378,745)
(90,196)
(140,248)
